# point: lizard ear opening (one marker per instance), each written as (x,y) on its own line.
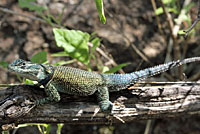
(48,68)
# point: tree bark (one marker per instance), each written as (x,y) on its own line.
(137,103)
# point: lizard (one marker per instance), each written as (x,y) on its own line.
(64,79)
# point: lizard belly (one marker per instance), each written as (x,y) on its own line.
(80,90)
(75,81)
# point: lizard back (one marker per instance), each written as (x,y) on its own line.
(75,81)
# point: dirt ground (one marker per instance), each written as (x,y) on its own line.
(130,22)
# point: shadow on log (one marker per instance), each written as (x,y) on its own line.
(149,102)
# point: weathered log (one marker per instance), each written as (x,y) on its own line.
(134,104)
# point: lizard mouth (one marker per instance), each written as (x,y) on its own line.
(10,68)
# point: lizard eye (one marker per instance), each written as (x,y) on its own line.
(21,63)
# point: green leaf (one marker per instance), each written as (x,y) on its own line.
(4,64)
(40,57)
(181,32)
(173,10)
(96,43)
(99,5)
(27,81)
(159,11)
(60,54)
(74,42)
(31,5)
(167,1)
(105,69)
(60,125)
(48,128)
(116,68)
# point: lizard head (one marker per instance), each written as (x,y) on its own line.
(29,70)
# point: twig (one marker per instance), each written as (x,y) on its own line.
(192,26)
(148,127)
(173,33)
(169,48)
(139,52)
(157,18)
(180,19)
(110,59)
(194,23)
(6,10)
(8,85)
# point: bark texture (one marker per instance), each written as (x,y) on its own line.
(135,103)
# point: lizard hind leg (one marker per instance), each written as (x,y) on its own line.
(103,99)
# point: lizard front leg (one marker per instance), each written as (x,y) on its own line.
(103,99)
(52,95)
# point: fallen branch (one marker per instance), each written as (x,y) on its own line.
(134,104)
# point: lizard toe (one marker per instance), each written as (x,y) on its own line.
(106,106)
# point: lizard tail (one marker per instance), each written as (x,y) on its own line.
(122,81)
(148,72)
(189,60)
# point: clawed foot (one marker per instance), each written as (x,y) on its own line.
(106,106)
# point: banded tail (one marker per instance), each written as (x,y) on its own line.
(118,82)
